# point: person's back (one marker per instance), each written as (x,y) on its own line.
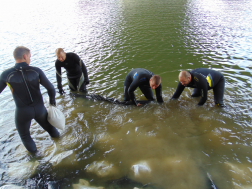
(24,82)
(143,75)
(210,74)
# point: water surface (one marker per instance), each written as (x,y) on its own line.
(180,145)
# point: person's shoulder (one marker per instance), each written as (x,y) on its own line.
(35,68)
(71,54)
(8,70)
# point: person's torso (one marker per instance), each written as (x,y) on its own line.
(204,75)
(72,65)
(23,81)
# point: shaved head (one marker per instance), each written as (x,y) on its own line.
(58,51)
(185,78)
(184,74)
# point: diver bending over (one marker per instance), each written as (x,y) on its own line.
(76,71)
(24,82)
(202,79)
(146,81)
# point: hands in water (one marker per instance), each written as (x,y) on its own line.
(61,91)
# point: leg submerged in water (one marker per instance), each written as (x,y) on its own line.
(23,119)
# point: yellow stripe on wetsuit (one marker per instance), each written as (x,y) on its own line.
(209,80)
(9,87)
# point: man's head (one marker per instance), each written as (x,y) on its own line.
(61,55)
(22,54)
(185,78)
(155,81)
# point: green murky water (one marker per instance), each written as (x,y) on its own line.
(174,145)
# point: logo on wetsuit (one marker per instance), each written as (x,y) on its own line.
(196,79)
(134,76)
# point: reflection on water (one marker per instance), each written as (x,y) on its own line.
(173,145)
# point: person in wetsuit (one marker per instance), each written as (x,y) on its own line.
(146,81)
(76,71)
(202,80)
(24,82)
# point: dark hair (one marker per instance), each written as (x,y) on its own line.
(20,51)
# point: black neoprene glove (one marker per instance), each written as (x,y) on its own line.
(52,102)
(86,82)
(61,91)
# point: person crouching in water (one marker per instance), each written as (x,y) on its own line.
(202,80)
(146,81)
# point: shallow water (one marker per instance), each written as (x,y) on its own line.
(173,145)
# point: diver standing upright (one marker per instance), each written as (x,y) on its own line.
(24,82)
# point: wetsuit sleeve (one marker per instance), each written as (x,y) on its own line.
(2,83)
(202,85)
(159,93)
(58,74)
(131,90)
(84,71)
(178,91)
(48,85)
(78,60)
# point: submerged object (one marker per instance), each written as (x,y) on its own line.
(102,168)
(22,170)
(141,167)
(108,99)
(59,157)
(84,184)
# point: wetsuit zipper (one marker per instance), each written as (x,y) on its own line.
(26,84)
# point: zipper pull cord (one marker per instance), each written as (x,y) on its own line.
(26,84)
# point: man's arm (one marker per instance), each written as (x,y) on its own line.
(131,90)
(84,71)
(48,85)
(159,93)
(2,83)
(78,60)
(58,76)
(203,85)
(178,91)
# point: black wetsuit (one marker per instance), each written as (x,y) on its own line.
(76,72)
(140,77)
(24,81)
(203,79)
